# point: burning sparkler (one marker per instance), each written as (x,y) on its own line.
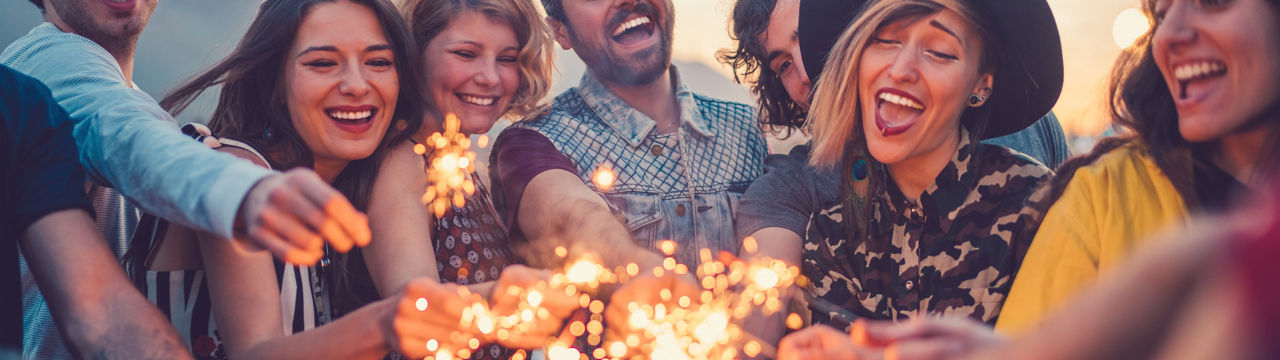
(449,167)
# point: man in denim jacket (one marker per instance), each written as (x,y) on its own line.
(679,161)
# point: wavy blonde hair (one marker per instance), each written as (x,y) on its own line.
(835,116)
(427,18)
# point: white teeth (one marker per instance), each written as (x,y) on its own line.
(482,101)
(351,115)
(1199,70)
(901,101)
(630,25)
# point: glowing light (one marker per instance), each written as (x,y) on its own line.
(421,304)
(483,141)
(668,247)
(432,345)
(1129,26)
(749,244)
(534,298)
(794,322)
(766,278)
(604,178)
(583,271)
(449,168)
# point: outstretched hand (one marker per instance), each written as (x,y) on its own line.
(293,214)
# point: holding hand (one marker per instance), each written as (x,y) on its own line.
(426,318)
(293,214)
(521,286)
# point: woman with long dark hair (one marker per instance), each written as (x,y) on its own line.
(323,84)
(1199,92)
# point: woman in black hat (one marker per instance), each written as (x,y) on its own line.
(930,219)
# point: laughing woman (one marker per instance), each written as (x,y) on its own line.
(1200,93)
(930,218)
(315,84)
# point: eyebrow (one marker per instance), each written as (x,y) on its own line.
(944,28)
(331,48)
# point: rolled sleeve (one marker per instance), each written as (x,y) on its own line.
(518,156)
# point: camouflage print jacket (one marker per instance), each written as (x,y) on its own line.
(954,252)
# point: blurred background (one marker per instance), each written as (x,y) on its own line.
(186,36)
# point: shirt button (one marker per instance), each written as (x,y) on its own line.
(656,150)
(680,210)
(910,284)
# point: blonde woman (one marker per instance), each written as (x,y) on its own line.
(930,220)
(481,60)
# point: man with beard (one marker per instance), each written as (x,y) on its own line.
(84,52)
(629,158)
(632,141)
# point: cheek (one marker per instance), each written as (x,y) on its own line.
(510,76)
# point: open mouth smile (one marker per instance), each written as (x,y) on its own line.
(355,119)
(1193,78)
(896,111)
(635,30)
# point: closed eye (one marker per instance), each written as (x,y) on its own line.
(942,55)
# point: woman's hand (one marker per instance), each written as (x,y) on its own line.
(426,318)
(522,288)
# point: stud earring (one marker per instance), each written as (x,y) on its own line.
(268,135)
(976,100)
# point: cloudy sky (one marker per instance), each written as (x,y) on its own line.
(187,35)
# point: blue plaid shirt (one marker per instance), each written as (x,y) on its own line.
(683,185)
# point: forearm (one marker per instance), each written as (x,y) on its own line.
(353,336)
(130,328)
(99,312)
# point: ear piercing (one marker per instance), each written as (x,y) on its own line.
(975,100)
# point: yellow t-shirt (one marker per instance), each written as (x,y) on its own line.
(1109,208)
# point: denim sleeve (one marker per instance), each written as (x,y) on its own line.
(128,141)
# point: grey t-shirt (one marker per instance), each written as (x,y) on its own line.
(787,193)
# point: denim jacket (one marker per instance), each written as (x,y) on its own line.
(682,186)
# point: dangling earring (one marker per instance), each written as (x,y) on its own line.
(860,170)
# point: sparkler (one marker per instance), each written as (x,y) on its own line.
(449,167)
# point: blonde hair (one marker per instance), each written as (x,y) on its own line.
(427,18)
(835,116)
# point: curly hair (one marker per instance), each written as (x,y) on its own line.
(427,18)
(778,113)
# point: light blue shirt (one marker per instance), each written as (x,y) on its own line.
(127,140)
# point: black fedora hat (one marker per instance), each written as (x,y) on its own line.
(1029,72)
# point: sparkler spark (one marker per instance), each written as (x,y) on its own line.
(449,167)
(702,326)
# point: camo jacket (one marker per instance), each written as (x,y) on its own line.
(953,252)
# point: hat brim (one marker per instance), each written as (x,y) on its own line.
(1029,73)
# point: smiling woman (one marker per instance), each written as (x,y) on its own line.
(907,92)
(1199,91)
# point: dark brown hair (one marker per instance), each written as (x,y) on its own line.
(252,102)
(777,112)
(39,4)
(1140,101)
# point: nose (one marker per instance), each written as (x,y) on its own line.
(353,82)
(1177,29)
(903,68)
(487,74)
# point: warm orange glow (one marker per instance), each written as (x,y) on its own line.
(604,178)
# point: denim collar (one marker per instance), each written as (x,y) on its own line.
(630,123)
